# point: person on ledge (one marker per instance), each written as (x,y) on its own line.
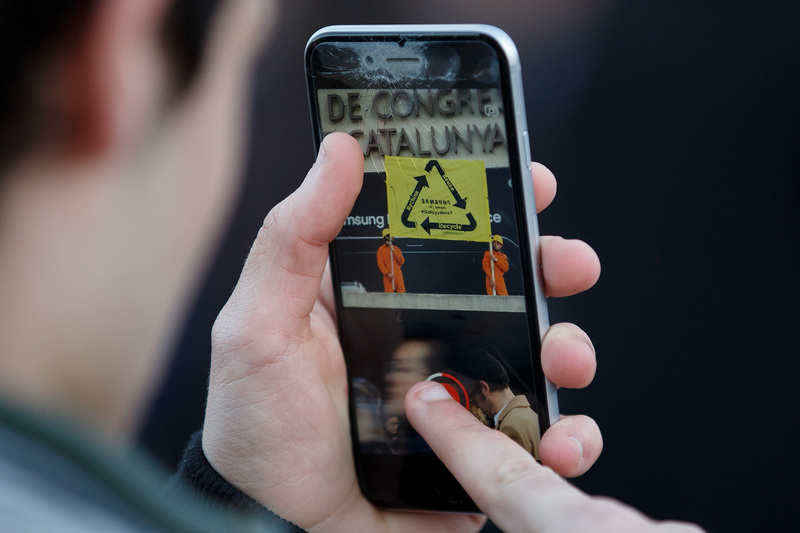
(495,264)
(390,259)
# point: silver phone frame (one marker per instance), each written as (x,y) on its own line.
(509,49)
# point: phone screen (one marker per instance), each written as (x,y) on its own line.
(434,268)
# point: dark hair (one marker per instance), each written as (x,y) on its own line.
(480,365)
(32,31)
(185,33)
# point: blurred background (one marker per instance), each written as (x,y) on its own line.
(673,128)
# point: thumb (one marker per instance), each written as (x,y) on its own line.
(281,278)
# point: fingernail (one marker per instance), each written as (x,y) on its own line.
(434,393)
(580,450)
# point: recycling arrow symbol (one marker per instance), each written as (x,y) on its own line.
(461,203)
(427,225)
(422,182)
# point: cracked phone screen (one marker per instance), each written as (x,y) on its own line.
(428,266)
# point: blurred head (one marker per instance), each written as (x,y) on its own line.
(392,425)
(122,136)
(412,361)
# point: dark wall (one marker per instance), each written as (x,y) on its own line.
(681,166)
(673,130)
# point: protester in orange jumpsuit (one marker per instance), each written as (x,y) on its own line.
(391,269)
(500,261)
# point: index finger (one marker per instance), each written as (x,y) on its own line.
(504,481)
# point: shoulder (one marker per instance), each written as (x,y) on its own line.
(519,401)
(57,478)
(50,492)
(518,411)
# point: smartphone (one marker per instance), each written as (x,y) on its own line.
(437,270)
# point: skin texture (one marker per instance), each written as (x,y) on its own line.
(276,423)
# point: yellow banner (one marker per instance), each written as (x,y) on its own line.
(438,199)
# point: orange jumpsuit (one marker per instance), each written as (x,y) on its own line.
(500,268)
(384,263)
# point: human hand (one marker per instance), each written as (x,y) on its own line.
(506,483)
(276,421)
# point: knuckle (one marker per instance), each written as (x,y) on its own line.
(252,341)
(521,472)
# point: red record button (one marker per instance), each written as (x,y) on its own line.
(453,386)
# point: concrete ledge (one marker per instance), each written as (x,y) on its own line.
(453,302)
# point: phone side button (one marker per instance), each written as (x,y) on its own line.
(527,142)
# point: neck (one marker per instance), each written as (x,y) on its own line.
(500,399)
(73,339)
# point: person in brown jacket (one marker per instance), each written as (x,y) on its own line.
(510,413)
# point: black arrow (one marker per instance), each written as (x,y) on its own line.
(422,182)
(427,225)
(461,203)
(434,163)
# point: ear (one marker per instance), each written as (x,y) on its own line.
(485,389)
(112,72)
